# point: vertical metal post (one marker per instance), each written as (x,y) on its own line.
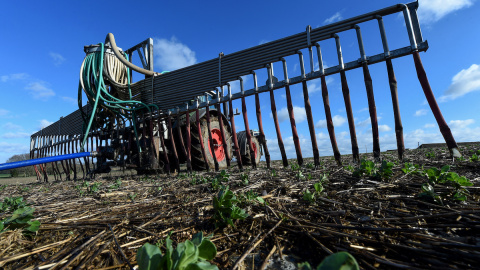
(172,140)
(189,138)
(444,129)
(210,139)
(200,136)
(236,148)
(262,138)
(370,96)
(275,117)
(180,136)
(326,105)
(348,104)
(247,127)
(222,132)
(308,108)
(291,115)
(161,133)
(393,91)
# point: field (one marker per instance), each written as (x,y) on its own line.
(374,213)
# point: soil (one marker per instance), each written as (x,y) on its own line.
(383,223)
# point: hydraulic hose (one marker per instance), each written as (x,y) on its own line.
(111,38)
(30,162)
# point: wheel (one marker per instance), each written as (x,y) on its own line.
(245,148)
(198,163)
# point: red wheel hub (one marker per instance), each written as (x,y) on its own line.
(218,147)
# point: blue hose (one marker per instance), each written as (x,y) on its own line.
(30,162)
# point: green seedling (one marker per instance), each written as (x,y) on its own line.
(226,209)
(294,166)
(273,173)
(430,155)
(244,177)
(21,215)
(474,158)
(340,260)
(310,165)
(251,197)
(410,168)
(445,177)
(189,255)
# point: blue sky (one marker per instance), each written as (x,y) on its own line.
(42,50)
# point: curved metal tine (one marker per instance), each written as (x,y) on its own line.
(326,105)
(72,141)
(247,127)
(85,159)
(153,152)
(236,148)
(161,133)
(172,141)
(210,139)
(308,107)
(76,138)
(189,138)
(393,90)
(262,138)
(44,154)
(370,96)
(281,146)
(181,142)
(49,153)
(222,132)
(54,153)
(33,145)
(348,104)
(200,136)
(291,115)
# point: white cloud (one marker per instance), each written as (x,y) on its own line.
(15,148)
(384,128)
(263,41)
(299,113)
(363,110)
(44,123)
(11,77)
(365,122)
(3,112)
(429,125)
(15,135)
(172,54)
(57,58)
(11,126)
(39,90)
(420,112)
(431,11)
(334,18)
(70,100)
(464,82)
(313,86)
(460,124)
(337,122)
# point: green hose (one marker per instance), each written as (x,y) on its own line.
(91,81)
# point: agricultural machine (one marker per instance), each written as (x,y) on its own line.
(186,115)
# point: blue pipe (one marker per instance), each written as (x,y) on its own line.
(30,162)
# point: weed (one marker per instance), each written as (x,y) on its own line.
(24,189)
(310,165)
(350,168)
(21,215)
(474,158)
(223,176)
(430,155)
(244,177)
(294,166)
(410,168)
(368,168)
(226,209)
(132,196)
(251,197)
(192,254)
(94,188)
(2,187)
(445,177)
(340,260)
(311,197)
(273,173)
(299,175)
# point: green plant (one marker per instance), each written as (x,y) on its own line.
(273,173)
(311,197)
(117,185)
(21,217)
(308,196)
(132,196)
(349,168)
(299,175)
(445,177)
(294,166)
(215,183)
(310,165)
(367,168)
(223,176)
(94,188)
(2,187)
(244,177)
(474,158)
(385,171)
(410,168)
(189,255)
(250,196)
(337,261)
(430,155)
(24,189)
(226,209)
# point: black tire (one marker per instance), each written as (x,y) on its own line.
(245,149)
(198,162)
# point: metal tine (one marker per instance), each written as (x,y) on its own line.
(200,137)
(220,122)
(210,139)
(370,96)
(85,159)
(54,152)
(153,152)
(236,148)
(189,138)
(281,146)
(44,168)
(348,104)
(162,142)
(392,81)
(49,153)
(247,127)
(263,141)
(57,151)
(32,155)
(72,150)
(79,160)
(180,136)
(92,148)
(308,107)
(326,105)
(97,135)
(296,140)
(172,141)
